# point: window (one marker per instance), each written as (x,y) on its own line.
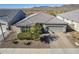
(24,29)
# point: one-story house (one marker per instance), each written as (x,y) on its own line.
(72,18)
(3,29)
(49,21)
(11,16)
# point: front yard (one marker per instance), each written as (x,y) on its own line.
(61,41)
(35,38)
(12,42)
(32,38)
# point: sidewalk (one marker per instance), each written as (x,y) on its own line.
(39,51)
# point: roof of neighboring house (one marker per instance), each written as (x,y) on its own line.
(2,22)
(72,15)
(39,18)
(8,14)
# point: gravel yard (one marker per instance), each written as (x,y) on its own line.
(25,44)
(9,43)
(62,41)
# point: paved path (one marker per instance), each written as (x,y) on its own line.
(39,51)
(61,42)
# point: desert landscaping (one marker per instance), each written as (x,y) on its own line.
(40,27)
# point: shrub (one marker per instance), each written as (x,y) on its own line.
(24,35)
(21,36)
(36,31)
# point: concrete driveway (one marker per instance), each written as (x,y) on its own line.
(61,42)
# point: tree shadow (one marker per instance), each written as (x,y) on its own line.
(28,43)
(46,39)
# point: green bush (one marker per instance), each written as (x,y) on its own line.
(33,33)
(23,36)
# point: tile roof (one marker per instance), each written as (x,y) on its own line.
(39,18)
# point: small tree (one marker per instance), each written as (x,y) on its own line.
(36,31)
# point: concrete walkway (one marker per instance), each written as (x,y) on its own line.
(39,51)
(61,42)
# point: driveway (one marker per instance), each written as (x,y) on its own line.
(61,42)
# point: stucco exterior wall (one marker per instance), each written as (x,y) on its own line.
(15,29)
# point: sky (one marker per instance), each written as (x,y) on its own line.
(27,5)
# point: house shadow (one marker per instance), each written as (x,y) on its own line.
(69,29)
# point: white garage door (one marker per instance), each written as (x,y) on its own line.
(57,29)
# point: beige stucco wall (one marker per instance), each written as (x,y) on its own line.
(16,29)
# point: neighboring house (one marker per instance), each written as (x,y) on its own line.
(49,21)
(3,29)
(11,16)
(72,18)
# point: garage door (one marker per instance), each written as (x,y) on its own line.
(57,29)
